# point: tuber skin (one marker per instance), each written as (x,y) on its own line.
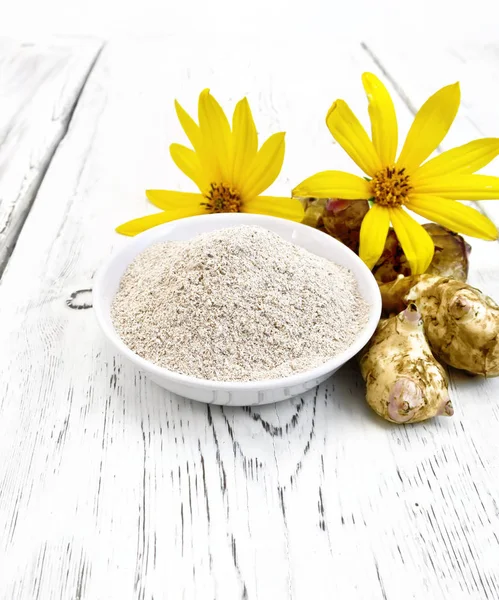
(339,218)
(461,323)
(342,219)
(450,258)
(405,383)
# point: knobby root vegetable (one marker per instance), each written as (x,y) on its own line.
(339,218)
(405,383)
(461,323)
(449,260)
(342,219)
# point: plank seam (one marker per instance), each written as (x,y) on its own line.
(403,96)
(43,171)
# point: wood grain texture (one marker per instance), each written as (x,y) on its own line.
(39,87)
(112,488)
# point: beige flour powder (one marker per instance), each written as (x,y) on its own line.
(238,304)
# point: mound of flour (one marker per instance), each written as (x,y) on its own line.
(238,304)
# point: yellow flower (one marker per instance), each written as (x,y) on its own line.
(226,165)
(430,189)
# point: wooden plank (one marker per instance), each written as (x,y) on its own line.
(113,488)
(39,86)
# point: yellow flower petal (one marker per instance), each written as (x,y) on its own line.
(215,130)
(455,216)
(266,167)
(286,208)
(244,142)
(188,162)
(191,129)
(205,154)
(136,226)
(334,184)
(352,137)
(173,200)
(415,241)
(463,160)
(373,232)
(383,119)
(430,126)
(461,187)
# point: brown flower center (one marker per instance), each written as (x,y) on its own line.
(390,186)
(222,198)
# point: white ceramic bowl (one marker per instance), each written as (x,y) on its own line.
(235,393)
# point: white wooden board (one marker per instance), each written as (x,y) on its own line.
(112,488)
(39,87)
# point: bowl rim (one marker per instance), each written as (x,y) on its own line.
(154,235)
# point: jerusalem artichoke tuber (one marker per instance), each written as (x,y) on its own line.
(405,383)
(342,219)
(461,323)
(339,218)
(449,260)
